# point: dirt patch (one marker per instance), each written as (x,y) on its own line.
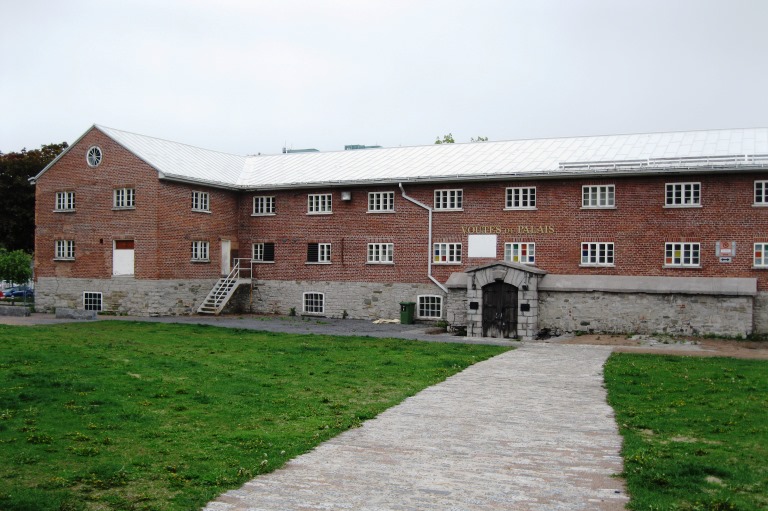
(692,346)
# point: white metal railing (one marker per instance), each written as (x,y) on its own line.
(688,161)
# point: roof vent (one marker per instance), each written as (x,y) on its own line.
(359,146)
(289,151)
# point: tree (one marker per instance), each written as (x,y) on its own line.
(17,195)
(479,139)
(447,139)
(15,267)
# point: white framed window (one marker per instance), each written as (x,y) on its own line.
(682,255)
(201,201)
(319,253)
(599,196)
(683,195)
(760,256)
(92,301)
(597,254)
(319,203)
(381,253)
(93,156)
(446,253)
(200,251)
(65,201)
(380,202)
(761,193)
(447,200)
(429,307)
(524,253)
(65,250)
(521,198)
(263,252)
(124,198)
(313,303)
(263,205)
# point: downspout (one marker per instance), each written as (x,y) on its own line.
(429,251)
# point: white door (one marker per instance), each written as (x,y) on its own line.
(122,257)
(226,248)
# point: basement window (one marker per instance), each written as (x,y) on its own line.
(92,301)
(314,303)
(429,307)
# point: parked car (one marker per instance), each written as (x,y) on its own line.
(19,292)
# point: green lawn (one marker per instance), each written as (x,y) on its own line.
(695,431)
(146,416)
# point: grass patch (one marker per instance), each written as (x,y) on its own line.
(147,416)
(695,431)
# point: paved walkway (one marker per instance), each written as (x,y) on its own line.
(527,430)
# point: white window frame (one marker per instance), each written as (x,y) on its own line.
(525,252)
(258,252)
(429,307)
(64,250)
(65,201)
(94,156)
(761,193)
(319,204)
(381,202)
(93,301)
(446,253)
(124,198)
(263,205)
(598,253)
(313,302)
(521,197)
(201,201)
(449,200)
(689,254)
(683,195)
(759,255)
(598,196)
(323,253)
(201,251)
(381,253)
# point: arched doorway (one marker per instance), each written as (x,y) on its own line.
(499,310)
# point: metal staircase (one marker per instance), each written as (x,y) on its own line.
(224,289)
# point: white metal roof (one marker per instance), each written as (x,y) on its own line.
(656,152)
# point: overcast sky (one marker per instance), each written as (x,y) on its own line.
(252,76)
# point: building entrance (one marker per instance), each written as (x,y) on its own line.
(499,310)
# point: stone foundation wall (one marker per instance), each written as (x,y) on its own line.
(646,313)
(360,300)
(124,295)
(761,313)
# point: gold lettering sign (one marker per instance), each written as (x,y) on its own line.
(512,229)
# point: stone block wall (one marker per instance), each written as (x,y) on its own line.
(645,313)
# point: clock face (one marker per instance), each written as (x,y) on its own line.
(93,156)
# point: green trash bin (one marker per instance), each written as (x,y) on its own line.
(407,311)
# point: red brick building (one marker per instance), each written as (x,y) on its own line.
(651,232)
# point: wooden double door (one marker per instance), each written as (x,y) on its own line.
(499,310)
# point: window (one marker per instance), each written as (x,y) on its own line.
(201,201)
(381,252)
(314,303)
(319,203)
(65,201)
(263,205)
(381,201)
(200,251)
(761,258)
(521,198)
(430,306)
(602,196)
(91,301)
(449,199)
(319,253)
(263,252)
(761,193)
(683,194)
(124,198)
(520,252)
(597,254)
(65,249)
(682,254)
(447,253)
(93,156)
